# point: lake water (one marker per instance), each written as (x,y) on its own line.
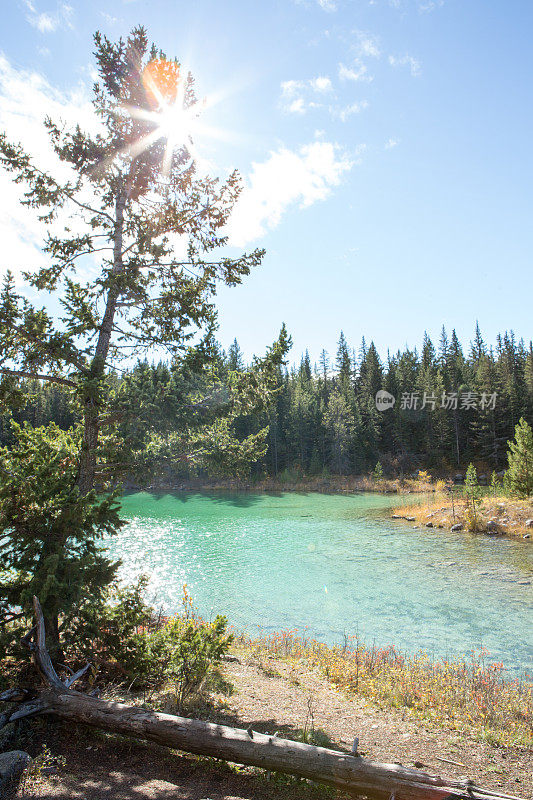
(326,564)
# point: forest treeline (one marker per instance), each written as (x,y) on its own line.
(452,405)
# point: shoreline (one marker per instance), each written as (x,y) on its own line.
(495,517)
(338,484)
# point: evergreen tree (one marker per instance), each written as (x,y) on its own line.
(235,359)
(343,362)
(134,189)
(339,424)
(520,457)
(51,549)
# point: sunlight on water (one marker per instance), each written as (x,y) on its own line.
(326,564)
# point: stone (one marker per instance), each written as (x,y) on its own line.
(529,523)
(457,527)
(526,536)
(429,524)
(7,736)
(12,765)
(492,526)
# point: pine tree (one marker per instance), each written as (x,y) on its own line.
(134,189)
(477,349)
(343,361)
(339,422)
(51,549)
(235,360)
(520,457)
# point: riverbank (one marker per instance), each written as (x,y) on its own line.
(332,484)
(495,516)
(271,689)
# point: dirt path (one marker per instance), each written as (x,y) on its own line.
(271,695)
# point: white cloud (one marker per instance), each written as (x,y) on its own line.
(409,61)
(48,22)
(430,5)
(391,143)
(296,106)
(347,111)
(26,98)
(289,88)
(297,96)
(321,84)
(109,18)
(327,5)
(359,72)
(286,179)
(366,45)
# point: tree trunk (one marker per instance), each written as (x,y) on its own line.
(350,773)
(87,472)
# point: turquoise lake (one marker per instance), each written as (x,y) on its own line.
(329,564)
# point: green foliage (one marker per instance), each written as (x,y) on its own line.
(151,652)
(520,458)
(473,497)
(50,533)
(185,652)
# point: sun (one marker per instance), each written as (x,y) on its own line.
(173,116)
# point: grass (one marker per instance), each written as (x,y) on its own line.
(466,694)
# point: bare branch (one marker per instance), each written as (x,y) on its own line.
(41,656)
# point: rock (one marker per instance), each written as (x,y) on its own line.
(440,526)
(457,527)
(12,765)
(396,516)
(459,478)
(492,526)
(410,519)
(529,523)
(429,524)
(7,736)
(526,536)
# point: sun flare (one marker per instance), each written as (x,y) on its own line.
(174,116)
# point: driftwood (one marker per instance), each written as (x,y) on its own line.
(351,773)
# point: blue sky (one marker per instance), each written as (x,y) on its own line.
(385,148)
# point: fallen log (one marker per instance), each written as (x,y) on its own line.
(351,773)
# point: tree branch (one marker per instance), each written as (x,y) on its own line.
(18,373)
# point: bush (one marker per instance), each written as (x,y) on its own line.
(378,472)
(149,651)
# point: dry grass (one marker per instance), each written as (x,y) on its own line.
(464,694)
(508,515)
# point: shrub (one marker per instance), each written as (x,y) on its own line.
(378,472)
(148,650)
